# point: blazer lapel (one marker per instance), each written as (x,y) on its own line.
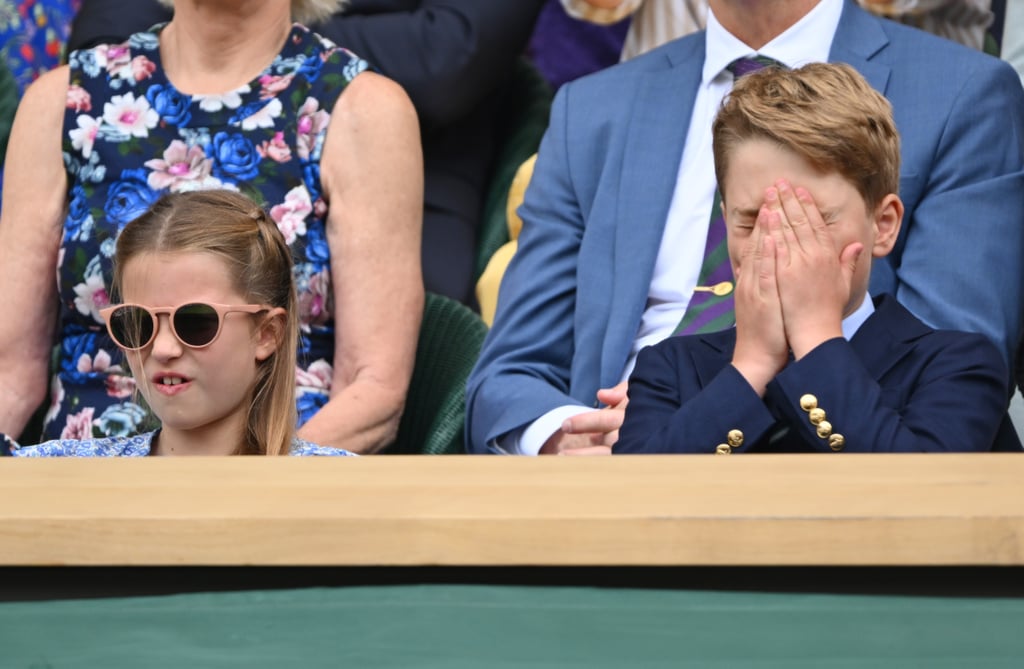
(887,336)
(659,123)
(714,353)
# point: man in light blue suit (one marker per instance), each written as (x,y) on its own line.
(616,215)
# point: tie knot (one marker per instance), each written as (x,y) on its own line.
(744,66)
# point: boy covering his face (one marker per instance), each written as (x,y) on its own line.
(807,161)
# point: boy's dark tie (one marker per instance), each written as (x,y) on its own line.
(711,305)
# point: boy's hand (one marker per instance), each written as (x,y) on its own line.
(814,276)
(594,432)
(761,347)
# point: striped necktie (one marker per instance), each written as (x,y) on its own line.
(711,306)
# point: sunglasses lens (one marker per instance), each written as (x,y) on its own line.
(131,327)
(196,324)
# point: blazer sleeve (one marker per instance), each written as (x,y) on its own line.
(524,367)
(447,54)
(954,401)
(669,411)
(971,211)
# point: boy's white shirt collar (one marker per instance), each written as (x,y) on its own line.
(809,40)
(853,322)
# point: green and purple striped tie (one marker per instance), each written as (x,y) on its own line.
(711,305)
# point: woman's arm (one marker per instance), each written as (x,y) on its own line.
(372,175)
(30,234)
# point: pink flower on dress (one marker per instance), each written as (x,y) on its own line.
(114,57)
(141,68)
(91,296)
(180,167)
(316,377)
(320,208)
(119,386)
(311,122)
(271,85)
(84,136)
(290,215)
(78,425)
(87,364)
(276,149)
(130,115)
(78,99)
(315,301)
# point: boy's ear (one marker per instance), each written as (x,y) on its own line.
(888,218)
(270,333)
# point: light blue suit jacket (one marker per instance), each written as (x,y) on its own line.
(571,300)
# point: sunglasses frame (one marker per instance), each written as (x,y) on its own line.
(222,311)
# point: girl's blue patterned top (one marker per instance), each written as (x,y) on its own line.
(135,446)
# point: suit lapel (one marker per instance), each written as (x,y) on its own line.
(887,336)
(713,354)
(858,39)
(654,147)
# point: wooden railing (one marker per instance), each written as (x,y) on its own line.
(477,510)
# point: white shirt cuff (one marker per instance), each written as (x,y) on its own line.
(529,440)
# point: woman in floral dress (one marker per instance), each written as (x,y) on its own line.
(229,95)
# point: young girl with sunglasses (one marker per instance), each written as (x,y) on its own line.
(208,325)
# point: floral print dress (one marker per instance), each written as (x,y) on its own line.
(135,446)
(129,137)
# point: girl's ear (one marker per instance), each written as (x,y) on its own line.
(888,218)
(270,333)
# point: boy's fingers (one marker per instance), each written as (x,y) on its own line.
(818,224)
(796,219)
(780,242)
(849,258)
(599,420)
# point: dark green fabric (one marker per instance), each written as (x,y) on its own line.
(8,103)
(435,409)
(504,626)
(524,120)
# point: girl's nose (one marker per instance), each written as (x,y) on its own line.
(165,345)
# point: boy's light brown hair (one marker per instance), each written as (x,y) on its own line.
(824,112)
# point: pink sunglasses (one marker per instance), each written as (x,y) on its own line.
(196,325)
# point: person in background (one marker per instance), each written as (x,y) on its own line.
(656,22)
(1013,36)
(807,162)
(228,95)
(32,38)
(451,57)
(618,214)
(213,351)
(963,21)
(563,48)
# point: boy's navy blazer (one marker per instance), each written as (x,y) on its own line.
(897,385)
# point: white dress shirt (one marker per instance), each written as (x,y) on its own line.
(682,245)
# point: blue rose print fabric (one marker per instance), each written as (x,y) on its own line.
(131,136)
(138,445)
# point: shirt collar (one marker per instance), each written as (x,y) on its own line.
(809,40)
(853,322)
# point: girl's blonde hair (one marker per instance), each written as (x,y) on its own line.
(239,232)
(303,11)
